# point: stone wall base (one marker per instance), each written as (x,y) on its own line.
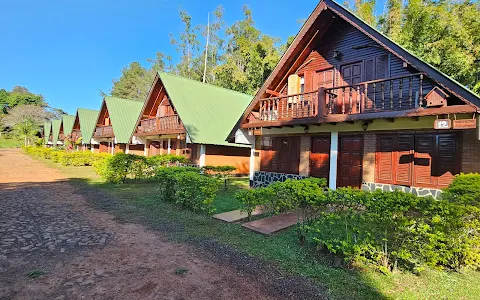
(417,191)
(263,179)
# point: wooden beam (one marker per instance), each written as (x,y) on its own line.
(273,93)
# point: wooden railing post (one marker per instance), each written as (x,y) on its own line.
(321,103)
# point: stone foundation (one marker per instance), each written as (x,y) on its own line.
(421,192)
(262,179)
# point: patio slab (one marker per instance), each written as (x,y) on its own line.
(273,224)
(237,215)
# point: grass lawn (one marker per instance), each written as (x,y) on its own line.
(10,143)
(139,203)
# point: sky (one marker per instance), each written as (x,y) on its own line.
(70,50)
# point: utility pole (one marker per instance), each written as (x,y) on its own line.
(206,49)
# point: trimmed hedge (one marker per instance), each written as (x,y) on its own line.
(388,230)
(66,158)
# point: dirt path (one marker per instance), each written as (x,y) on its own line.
(77,252)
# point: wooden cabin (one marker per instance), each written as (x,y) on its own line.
(347,104)
(186,117)
(84,127)
(115,124)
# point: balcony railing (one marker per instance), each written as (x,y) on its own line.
(105,131)
(391,94)
(161,124)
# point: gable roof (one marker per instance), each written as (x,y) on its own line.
(208,112)
(124,115)
(67,122)
(47,126)
(326,8)
(88,120)
(56,124)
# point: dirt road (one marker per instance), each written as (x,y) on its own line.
(53,245)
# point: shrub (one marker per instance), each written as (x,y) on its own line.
(167,159)
(80,158)
(223,172)
(117,168)
(196,191)
(390,229)
(166,177)
(465,189)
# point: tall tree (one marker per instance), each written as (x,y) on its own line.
(249,58)
(188,45)
(365,9)
(133,84)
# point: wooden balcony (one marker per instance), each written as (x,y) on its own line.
(401,96)
(104,131)
(161,125)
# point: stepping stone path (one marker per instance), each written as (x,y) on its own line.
(273,224)
(238,215)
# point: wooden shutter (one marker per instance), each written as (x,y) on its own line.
(424,153)
(445,163)
(404,159)
(320,157)
(308,77)
(381,67)
(369,66)
(293,155)
(385,159)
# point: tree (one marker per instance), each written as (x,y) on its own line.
(19,96)
(443,33)
(134,83)
(249,58)
(365,9)
(26,120)
(188,45)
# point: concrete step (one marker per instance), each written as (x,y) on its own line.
(272,224)
(238,215)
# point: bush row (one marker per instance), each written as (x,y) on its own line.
(187,186)
(66,158)
(387,229)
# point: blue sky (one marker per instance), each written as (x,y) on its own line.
(70,50)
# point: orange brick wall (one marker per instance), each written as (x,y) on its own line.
(228,156)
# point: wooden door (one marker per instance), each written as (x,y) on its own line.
(349,99)
(350,161)
(446,162)
(154,148)
(320,157)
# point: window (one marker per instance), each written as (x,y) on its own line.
(282,156)
(422,160)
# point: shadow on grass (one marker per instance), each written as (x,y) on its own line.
(286,269)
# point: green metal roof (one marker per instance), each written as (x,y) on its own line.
(124,115)
(68,124)
(88,121)
(47,126)
(55,130)
(208,112)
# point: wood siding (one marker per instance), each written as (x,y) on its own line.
(281,155)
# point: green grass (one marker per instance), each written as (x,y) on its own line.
(10,143)
(139,203)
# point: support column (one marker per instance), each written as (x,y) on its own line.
(252,161)
(113,147)
(92,148)
(145,148)
(203,150)
(169,145)
(333,160)
(127,149)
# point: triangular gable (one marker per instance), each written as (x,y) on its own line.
(85,121)
(67,124)
(123,114)
(47,126)
(56,125)
(316,25)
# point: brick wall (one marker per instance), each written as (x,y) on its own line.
(305,146)
(471,151)
(369,147)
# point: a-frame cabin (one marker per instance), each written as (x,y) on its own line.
(186,117)
(115,125)
(83,128)
(347,104)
